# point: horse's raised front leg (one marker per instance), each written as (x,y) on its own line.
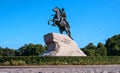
(49,21)
(58,19)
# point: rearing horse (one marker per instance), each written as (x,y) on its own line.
(56,21)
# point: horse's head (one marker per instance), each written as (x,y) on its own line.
(56,9)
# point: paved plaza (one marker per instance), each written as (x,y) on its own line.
(62,69)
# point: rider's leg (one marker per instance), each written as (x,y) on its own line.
(58,20)
(64,22)
(61,22)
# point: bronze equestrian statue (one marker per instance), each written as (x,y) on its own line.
(59,19)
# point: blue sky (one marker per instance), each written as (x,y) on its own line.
(25,21)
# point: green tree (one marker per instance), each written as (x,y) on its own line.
(31,49)
(90,49)
(8,52)
(101,50)
(1,51)
(113,45)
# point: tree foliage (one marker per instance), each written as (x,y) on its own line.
(89,50)
(26,50)
(113,45)
(92,50)
(101,50)
(31,49)
(7,51)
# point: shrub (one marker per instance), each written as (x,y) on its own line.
(16,63)
(34,60)
(6,63)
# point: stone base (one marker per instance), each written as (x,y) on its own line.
(61,45)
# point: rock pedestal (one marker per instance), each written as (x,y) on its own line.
(61,45)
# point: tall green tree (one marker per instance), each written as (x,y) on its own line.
(113,45)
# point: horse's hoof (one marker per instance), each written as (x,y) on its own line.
(53,25)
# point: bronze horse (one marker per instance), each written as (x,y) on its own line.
(57,20)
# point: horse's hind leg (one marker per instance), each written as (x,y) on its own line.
(68,32)
(61,31)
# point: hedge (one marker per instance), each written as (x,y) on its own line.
(35,60)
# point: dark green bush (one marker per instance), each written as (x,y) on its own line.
(34,60)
